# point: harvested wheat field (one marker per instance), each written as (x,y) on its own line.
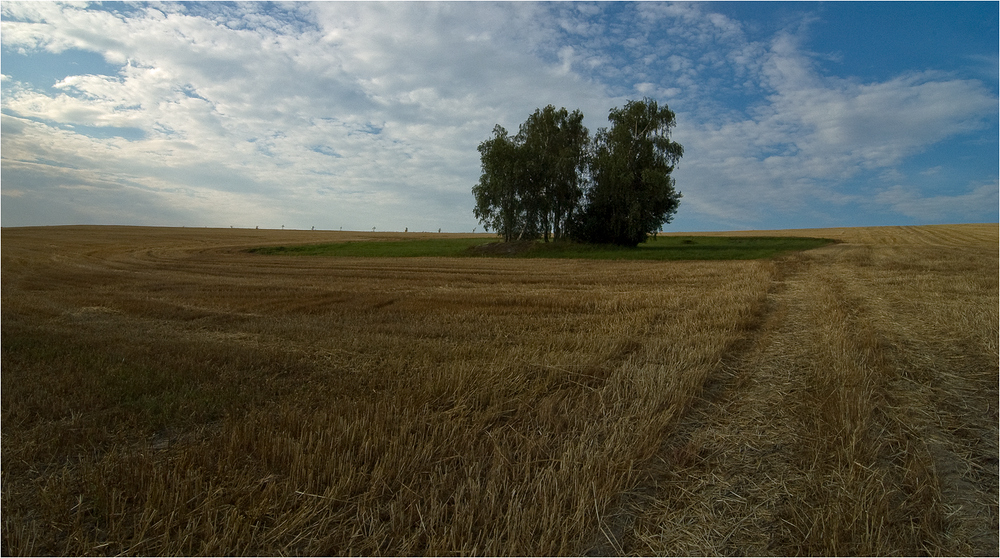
(165,392)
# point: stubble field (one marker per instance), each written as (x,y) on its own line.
(166,392)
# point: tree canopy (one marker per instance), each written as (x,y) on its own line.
(530,183)
(553,180)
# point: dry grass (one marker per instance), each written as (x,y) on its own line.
(862,420)
(166,393)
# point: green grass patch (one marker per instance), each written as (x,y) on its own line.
(684,248)
(660,248)
(448,248)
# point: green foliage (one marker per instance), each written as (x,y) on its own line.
(551,178)
(530,183)
(555,144)
(633,193)
(659,248)
(498,196)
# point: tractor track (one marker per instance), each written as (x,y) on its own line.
(820,426)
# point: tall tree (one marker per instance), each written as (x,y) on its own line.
(497,201)
(530,186)
(632,195)
(556,144)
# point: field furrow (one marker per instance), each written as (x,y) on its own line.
(166,392)
(826,437)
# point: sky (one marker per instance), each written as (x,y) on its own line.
(360,116)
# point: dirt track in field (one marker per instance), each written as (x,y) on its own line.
(898,324)
(837,401)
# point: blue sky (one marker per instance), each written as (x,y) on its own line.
(361,115)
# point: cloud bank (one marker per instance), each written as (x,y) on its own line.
(368,115)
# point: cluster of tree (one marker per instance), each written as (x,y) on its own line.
(553,180)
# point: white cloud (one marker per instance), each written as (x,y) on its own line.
(369,113)
(812,134)
(978,203)
(878,124)
(382,104)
